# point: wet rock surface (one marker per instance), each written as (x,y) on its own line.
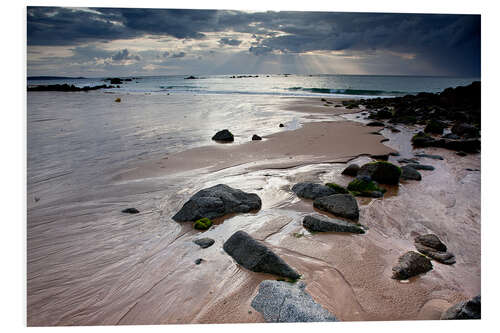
(320,223)
(351,170)
(204,242)
(343,205)
(284,302)
(255,256)
(470,309)
(410,264)
(310,190)
(382,172)
(410,173)
(431,246)
(217,201)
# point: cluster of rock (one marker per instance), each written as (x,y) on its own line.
(412,263)
(460,104)
(66,87)
(226,136)
(432,247)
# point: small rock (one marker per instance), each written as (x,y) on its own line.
(343,205)
(204,242)
(256,257)
(417,166)
(223,135)
(394,153)
(256,137)
(198,261)
(203,224)
(470,309)
(310,190)
(281,125)
(434,157)
(351,170)
(284,302)
(431,246)
(410,173)
(410,264)
(321,223)
(465,130)
(130,211)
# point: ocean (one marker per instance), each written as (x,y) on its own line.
(282,85)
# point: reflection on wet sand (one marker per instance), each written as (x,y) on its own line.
(88,264)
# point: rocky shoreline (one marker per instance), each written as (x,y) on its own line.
(282,266)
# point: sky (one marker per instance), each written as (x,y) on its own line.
(101,42)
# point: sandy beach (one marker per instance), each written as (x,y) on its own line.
(90,264)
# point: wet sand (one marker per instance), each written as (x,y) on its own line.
(88,264)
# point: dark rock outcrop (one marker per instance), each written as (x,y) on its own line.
(470,309)
(204,242)
(343,205)
(435,127)
(217,201)
(66,87)
(256,257)
(255,137)
(410,264)
(308,190)
(465,130)
(375,123)
(410,173)
(284,302)
(223,135)
(382,172)
(351,170)
(130,210)
(322,223)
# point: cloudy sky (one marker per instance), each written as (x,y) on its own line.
(96,42)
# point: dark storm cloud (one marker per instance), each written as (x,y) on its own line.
(451,42)
(229,41)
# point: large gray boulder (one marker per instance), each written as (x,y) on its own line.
(321,223)
(284,302)
(470,309)
(310,190)
(256,257)
(343,205)
(217,201)
(432,247)
(410,264)
(381,172)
